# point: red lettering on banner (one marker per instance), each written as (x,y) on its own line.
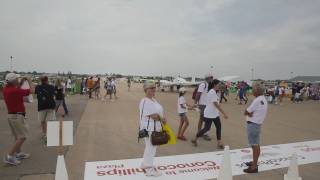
(171,167)
(121,172)
(181,166)
(210,163)
(101,173)
(311,149)
(199,163)
(112,172)
(162,168)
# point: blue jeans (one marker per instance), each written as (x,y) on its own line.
(253,131)
(63,102)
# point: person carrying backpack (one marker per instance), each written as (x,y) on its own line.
(200,98)
(46,104)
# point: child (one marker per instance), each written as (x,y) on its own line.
(182,111)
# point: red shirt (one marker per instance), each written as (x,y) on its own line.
(13,98)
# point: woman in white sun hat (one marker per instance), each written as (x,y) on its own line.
(151,117)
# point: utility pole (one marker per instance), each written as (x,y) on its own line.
(11,64)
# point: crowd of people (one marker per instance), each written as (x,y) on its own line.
(91,86)
(207,100)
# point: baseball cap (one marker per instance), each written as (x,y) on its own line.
(181,90)
(12,77)
(149,84)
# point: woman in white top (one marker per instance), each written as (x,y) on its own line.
(182,111)
(211,114)
(151,113)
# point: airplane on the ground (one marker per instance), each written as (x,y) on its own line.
(181,82)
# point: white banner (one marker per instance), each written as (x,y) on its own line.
(204,165)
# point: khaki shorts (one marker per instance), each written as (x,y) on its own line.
(47,115)
(18,125)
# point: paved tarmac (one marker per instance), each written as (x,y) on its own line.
(108,131)
(43,159)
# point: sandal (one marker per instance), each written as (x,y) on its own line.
(248,163)
(249,170)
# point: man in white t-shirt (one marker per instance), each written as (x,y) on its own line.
(201,100)
(69,87)
(256,114)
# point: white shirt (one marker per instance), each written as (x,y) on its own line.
(69,83)
(259,108)
(203,89)
(148,107)
(182,101)
(211,111)
(113,83)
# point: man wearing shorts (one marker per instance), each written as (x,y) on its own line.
(13,97)
(46,104)
(256,114)
(201,100)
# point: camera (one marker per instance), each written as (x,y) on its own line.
(143,133)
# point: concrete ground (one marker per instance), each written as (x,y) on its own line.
(108,131)
(42,163)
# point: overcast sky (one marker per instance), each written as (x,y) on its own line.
(162,37)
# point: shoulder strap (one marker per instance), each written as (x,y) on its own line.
(142,115)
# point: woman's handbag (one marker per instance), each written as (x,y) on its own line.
(159,138)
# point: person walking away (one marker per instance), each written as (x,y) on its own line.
(69,86)
(97,89)
(13,98)
(211,114)
(114,88)
(60,97)
(294,91)
(298,94)
(242,94)
(256,114)
(108,88)
(151,117)
(86,86)
(46,104)
(201,100)
(82,86)
(90,85)
(129,84)
(223,89)
(276,93)
(281,94)
(182,111)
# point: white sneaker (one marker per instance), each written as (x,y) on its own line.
(11,160)
(152,172)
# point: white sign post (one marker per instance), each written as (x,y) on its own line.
(293,172)
(60,133)
(225,172)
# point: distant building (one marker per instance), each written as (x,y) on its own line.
(307,79)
